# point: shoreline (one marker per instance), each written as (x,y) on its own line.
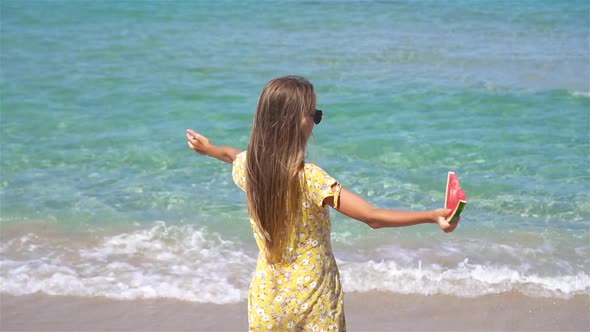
(371,311)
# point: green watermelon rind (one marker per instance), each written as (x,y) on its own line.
(455,216)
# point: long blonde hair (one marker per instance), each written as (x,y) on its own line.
(275,158)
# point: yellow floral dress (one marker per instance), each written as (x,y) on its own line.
(303,291)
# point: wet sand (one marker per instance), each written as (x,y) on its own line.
(371,311)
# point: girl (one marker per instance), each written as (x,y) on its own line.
(296,285)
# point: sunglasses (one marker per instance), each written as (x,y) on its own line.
(317,116)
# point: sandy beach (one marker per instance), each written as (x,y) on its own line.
(364,312)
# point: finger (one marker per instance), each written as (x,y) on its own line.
(193,133)
(198,137)
(193,145)
(445,225)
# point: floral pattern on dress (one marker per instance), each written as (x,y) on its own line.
(303,291)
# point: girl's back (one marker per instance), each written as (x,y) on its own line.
(302,291)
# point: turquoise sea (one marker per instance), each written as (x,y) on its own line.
(101,197)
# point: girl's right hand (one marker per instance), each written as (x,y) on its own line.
(198,142)
(440,216)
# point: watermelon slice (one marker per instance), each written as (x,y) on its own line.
(455,199)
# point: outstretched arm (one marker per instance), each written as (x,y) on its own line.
(354,206)
(202,145)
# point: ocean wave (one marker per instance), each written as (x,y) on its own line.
(465,280)
(579,93)
(197,265)
(184,263)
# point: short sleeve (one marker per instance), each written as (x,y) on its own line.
(239,170)
(320,185)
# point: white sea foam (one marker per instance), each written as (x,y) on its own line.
(467,280)
(580,93)
(162,262)
(195,264)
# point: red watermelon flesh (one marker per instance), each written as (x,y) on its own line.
(455,199)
